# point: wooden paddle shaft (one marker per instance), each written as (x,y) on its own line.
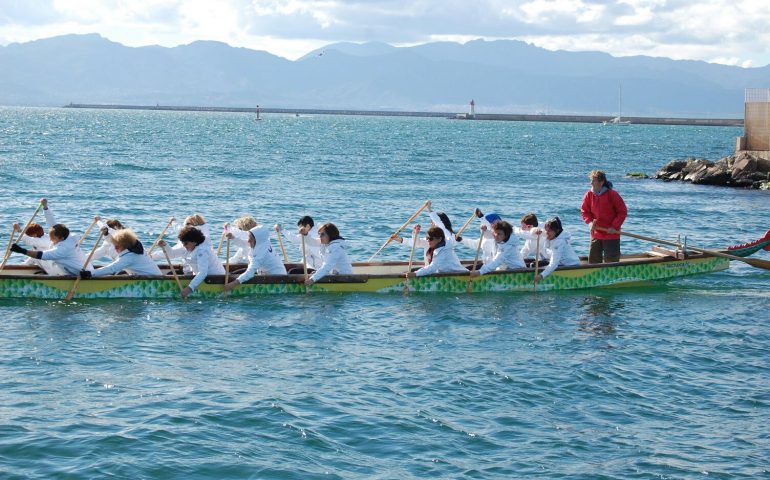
(173,270)
(283,250)
(460,232)
(227,268)
(23,231)
(221,240)
(304,255)
(8,249)
(475,261)
(537,258)
(409,268)
(753,262)
(74,288)
(85,234)
(162,233)
(406,224)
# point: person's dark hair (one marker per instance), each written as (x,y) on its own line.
(60,231)
(555,225)
(529,219)
(445,220)
(436,232)
(35,230)
(115,224)
(331,230)
(306,220)
(191,234)
(506,228)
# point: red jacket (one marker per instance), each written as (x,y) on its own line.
(608,210)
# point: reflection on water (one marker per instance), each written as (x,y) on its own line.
(597,314)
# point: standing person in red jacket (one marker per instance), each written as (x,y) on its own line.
(603,207)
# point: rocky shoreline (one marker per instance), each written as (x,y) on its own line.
(743,170)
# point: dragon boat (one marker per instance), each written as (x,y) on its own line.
(656,265)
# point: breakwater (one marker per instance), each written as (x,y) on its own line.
(715,122)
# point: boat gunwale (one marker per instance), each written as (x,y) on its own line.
(626,260)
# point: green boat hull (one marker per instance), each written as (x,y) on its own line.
(631,273)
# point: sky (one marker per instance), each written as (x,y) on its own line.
(732,32)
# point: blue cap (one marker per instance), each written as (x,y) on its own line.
(492,218)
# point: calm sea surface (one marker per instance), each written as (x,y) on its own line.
(670,381)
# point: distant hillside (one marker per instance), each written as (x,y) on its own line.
(501,76)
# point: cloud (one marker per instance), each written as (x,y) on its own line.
(725,31)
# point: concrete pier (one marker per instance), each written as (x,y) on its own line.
(716,122)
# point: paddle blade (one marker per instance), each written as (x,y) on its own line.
(756,262)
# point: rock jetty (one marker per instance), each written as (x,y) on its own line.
(743,170)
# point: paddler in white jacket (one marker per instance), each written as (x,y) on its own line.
(263,259)
(240,237)
(507,255)
(334,254)
(64,252)
(441,257)
(526,232)
(558,248)
(131,258)
(36,238)
(487,238)
(438,219)
(200,258)
(108,229)
(196,221)
(306,226)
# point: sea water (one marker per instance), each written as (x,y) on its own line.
(666,381)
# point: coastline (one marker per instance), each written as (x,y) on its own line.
(711,122)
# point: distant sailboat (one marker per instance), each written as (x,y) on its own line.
(619,119)
(258,113)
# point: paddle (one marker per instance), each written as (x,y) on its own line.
(227,268)
(411,257)
(23,231)
(754,262)
(74,288)
(221,240)
(280,242)
(304,259)
(173,270)
(475,261)
(537,259)
(406,224)
(85,234)
(8,249)
(160,237)
(475,215)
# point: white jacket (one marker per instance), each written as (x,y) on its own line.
(421,243)
(241,242)
(449,238)
(263,259)
(444,261)
(178,250)
(335,260)
(43,243)
(312,246)
(38,245)
(201,262)
(530,243)
(133,263)
(488,245)
(67,255)
(107,248)
(560,253)
(507,257)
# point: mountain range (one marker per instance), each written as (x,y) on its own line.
(503,76)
